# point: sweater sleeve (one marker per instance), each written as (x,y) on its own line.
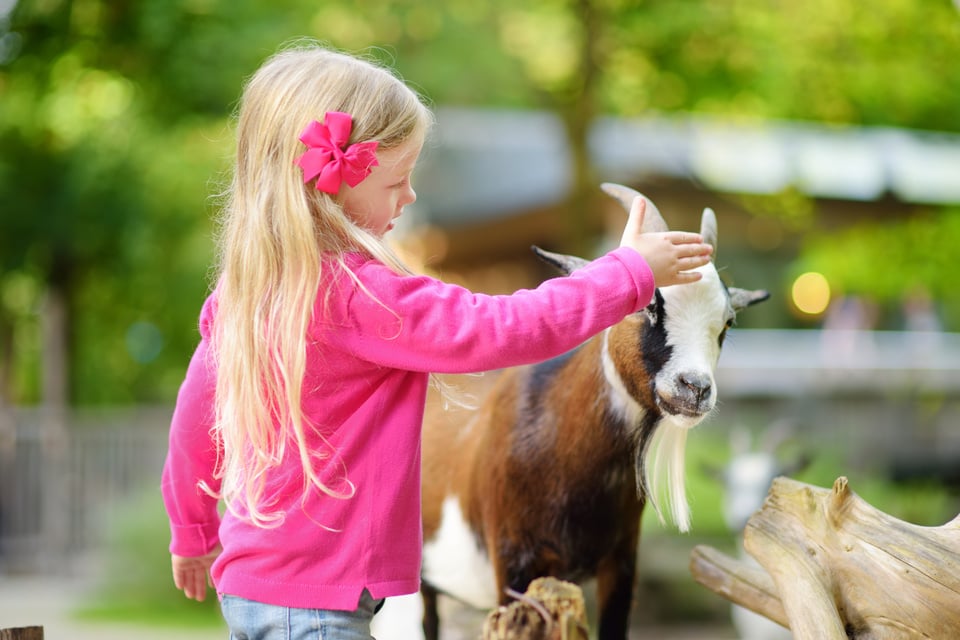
(422,324)
(192,456)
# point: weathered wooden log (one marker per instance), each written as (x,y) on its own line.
(22,633)
(836,568)
(550,609)
(738,582)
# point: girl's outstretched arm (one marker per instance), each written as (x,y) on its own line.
(418,323)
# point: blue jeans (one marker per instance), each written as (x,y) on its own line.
(249,620)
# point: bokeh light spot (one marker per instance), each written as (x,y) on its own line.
(811,293)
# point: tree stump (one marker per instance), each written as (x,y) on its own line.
(551,609)
(836,568)
(22,633)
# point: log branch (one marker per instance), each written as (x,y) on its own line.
(834,567)
(743,584)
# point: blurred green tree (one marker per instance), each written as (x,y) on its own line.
(113,127)
(114,130)
(883,63)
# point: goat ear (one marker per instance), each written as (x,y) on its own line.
(708,229)
(652,220)
(743,298)
(563,263)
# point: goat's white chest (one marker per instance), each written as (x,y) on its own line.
(455,564)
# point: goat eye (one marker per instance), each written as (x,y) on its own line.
(650,311)
(654,310)
(723,332)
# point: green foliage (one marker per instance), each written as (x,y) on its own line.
(891,261)
(922,503)
(115,128)
(885,62)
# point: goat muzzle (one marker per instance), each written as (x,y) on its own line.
(691,397)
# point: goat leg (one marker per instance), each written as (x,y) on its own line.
(616,578)
(431,615)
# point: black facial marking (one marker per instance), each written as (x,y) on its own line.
(723,332)
(653,339)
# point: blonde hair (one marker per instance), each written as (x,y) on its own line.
(276,235)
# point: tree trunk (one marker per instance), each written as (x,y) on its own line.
(835,568)
(55,355)
(55,436)
(6,362)
(577,111)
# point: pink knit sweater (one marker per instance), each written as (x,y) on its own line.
(365,388)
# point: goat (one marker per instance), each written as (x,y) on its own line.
(550,475)
(746,481)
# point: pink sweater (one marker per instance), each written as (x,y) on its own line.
(365,387)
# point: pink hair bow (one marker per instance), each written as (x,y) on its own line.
(328,161)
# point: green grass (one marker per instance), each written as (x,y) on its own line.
(921,503)
(136,583)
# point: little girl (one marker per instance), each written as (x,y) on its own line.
(302,406)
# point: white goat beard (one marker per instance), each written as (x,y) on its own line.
(663,470)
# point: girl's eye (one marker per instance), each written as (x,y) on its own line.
(402,183)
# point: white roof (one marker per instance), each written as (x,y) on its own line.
(487,163)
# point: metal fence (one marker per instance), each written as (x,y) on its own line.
(61,474)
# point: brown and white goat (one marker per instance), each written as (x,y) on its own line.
(549,476)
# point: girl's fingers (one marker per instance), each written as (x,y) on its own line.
(198,586)
(683,237)
(684,277)
(637,212)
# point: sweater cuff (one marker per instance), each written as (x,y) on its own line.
(194,540)
(640,272)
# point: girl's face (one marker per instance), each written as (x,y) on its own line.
(377,201)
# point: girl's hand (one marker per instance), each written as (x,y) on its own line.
(670,254)
(192,575)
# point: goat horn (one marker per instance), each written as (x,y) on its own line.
(708,229)
(562,262)
(652,220)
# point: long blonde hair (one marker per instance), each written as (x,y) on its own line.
(276,234)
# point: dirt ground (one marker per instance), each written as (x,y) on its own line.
(48,602)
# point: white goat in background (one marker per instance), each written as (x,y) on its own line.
(746,481)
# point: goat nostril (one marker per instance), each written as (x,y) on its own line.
(697,383)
